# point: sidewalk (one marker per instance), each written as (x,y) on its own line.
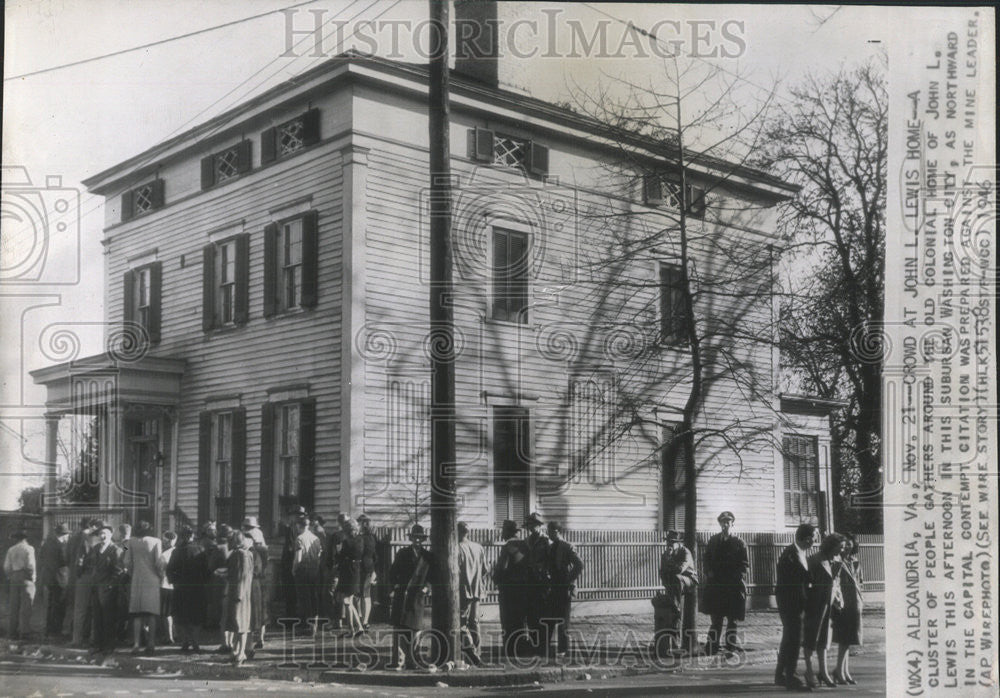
(603,647)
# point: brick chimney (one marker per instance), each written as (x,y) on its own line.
(476,41)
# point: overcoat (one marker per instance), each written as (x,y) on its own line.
(819,600)
(847,621)
(791,582)
(409,574)
(258,594)
(142,559)
(239,580)
(188,572)
(724,590)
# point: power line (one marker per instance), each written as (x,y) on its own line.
(156,43)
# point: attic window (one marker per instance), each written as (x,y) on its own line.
(491,148)
(226,165)
(509,152)
(290,137)
(142,198)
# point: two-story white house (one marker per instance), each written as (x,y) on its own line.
(266,282)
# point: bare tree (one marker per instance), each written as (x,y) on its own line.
(832,140)
(684,142)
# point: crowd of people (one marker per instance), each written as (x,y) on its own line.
(212,584)
(818,596)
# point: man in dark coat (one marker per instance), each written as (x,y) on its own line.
(537,589)
(286,580)
(78,590)
(679,576)
(103,566)
(565,567)
(188,572)
(510,576)
(410,577)
(724,593)
(791,592)
(53,574)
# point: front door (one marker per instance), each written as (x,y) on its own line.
(142,451)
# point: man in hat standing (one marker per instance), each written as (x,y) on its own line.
(286,579)
(258,589)
(679,576)
(103,566)
(564,568)
(410,577)
(725,592)
(53,574)
(537,590)
(510,575)
(305,571)
(19,566)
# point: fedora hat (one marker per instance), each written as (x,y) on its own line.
(509,528)
(250,522)
(674,537)
(101,525)
(726,515)
(62,529)
(417,532)
(533,519)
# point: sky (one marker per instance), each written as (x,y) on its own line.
(64,124)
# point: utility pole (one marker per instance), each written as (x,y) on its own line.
(444,543)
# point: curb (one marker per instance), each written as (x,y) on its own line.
(491,676)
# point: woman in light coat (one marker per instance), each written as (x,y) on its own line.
(239,578)
(142,560)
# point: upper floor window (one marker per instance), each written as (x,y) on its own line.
(142,199)
(222,464)
(672,315)
(485,145)
(291,250)
(290,137)
(141,288)
(226,164)
(510,276)
(226,282)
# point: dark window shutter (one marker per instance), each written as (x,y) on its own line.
(307,453)
(207,171)
(157,193)
(310,127)
(267,145)
(128,297)
(538,159)
(239,455)
(244,161)
(155,301)
(208,287)
(270,269)
(241,311)
(204,465)
(652,190)
(481,144)
(266,506)
(696,199)
(310,259)
(127,211)
(501,264)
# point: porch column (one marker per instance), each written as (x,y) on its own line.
(50,492)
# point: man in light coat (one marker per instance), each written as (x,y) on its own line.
(19,566)
(471,574)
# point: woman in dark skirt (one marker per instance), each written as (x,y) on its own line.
(847,621)
(352,550)
(188,572)
(824,573)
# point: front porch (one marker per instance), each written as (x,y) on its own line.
(114,424)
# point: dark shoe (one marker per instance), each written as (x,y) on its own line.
(148,652)
(135,651)
(223,649)
(793,683)
(779,680)
(258,645)
(250,654)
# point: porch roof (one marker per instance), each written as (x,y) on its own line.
(103,379)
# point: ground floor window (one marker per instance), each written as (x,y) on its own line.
(802,492)
(511,463)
